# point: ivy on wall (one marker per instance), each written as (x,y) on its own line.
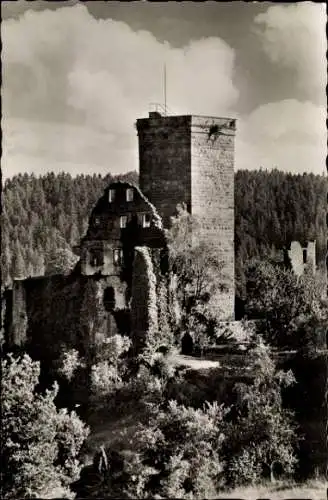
(144,313)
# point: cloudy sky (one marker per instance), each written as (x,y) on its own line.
(77,75)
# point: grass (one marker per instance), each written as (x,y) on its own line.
(193,363)
(312,490)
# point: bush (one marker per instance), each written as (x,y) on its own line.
(68,363)
(200,277)
(290,307)
(260,432)
(109,368)
(176,454)
(40,445)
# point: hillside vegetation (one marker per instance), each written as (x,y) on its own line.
(253,429)
(44,216)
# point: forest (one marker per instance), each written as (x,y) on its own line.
(44,217)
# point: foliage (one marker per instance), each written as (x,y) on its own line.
(40,445)
(71,434)
(104,379)
(109,368)
(260,433)
(144,317)
(199,275)
(291,308)
(68,363)
(175,455)
(166,324)
(112,348)
(184,452)
(60,261)
(145,381)
(274,208)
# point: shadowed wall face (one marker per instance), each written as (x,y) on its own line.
(165,159)
(75,311)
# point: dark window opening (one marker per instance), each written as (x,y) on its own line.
(123,221)
(111,195)
(118,257)
(146,219)
(304,256)
(96,257)
(109,299)
(214,130)
(164,261)
(129,194)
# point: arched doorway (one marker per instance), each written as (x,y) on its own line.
(187,344)
(109,299)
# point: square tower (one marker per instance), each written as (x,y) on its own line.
(190,159)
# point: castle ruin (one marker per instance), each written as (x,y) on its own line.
(183,160)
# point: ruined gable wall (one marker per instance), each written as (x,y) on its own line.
(295,255)
(97,321)
(106,236)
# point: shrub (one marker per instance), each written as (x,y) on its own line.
(291,307)
(176,454)
(40,445)
(260,432)
(109,368)
(200,277)
(68,363)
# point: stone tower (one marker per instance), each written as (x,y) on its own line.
(190,159)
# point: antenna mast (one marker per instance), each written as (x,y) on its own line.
(165,88)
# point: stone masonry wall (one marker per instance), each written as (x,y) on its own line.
(164,156)
(311,257)
(190,159)
(212,195)
(17,329)
(70,310)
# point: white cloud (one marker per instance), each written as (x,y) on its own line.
(64,69)
(73,87)
(289,135)
(294,36)
(40,146)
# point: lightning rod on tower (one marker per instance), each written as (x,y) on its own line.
(165,88)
